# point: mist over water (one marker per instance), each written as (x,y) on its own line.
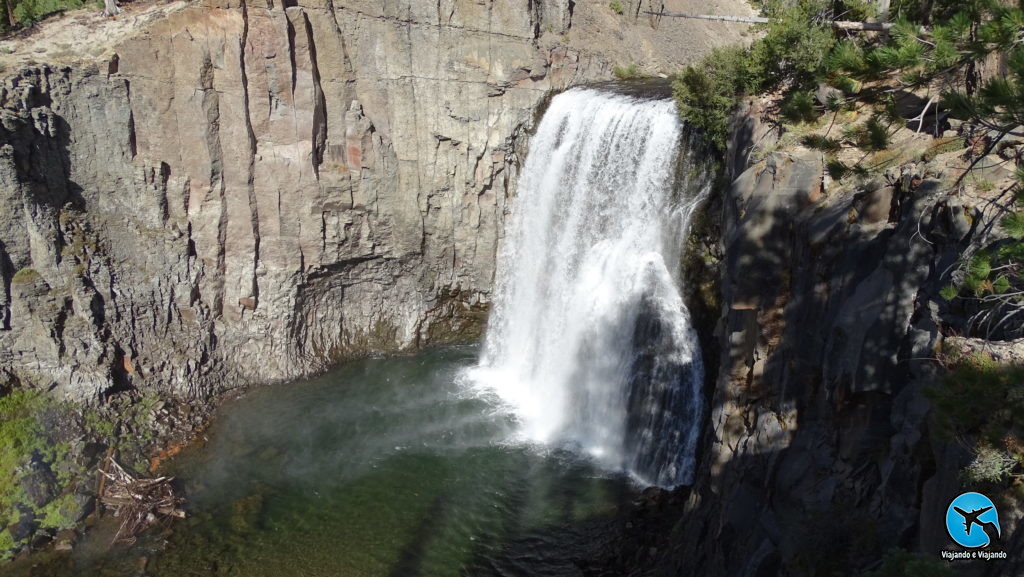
(379,468)
(589,341)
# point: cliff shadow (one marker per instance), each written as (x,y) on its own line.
(817,456)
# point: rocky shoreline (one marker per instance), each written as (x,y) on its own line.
(61,487)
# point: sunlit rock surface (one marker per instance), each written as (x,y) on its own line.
(250,191)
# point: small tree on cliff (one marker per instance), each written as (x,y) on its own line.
(790,56)
(944,57)
(9,6)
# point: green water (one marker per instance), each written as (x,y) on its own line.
(381,468)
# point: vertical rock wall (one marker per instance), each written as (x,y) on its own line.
(250,191)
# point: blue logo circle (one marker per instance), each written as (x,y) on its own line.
(972,521)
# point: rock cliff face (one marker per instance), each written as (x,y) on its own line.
(249,191)
(818,456)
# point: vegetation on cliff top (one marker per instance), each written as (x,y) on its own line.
(935,54)
(790,55)
(23,13)
(798,51)
(983,400)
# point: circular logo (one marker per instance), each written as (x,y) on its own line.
(972,521)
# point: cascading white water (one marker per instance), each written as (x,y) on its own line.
(589,340)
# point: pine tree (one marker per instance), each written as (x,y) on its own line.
(938,45)
(9,8)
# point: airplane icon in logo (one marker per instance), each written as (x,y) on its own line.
(971,519)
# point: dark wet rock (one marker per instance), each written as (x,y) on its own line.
(92,453)
(40,540)
(65,540)
(24,527)
(39,484)
(82,505)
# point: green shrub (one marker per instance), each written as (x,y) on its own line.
(990,466)
(1014,225)
(799,107)
(859,10)
(958,35)
(822,143)
(872,135)
(707,91)
(59,514)
(900,563)
(7,544)
(837,169)
(949,292)
(616,7)
(997,274)
(875,135)
(25,276)
(28,12)
(20,437)
(849,56)
(796,43)
(791,55)
(979,397)
(19,431)
(628,72)
(98,425)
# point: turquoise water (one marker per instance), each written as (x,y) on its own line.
(384,467)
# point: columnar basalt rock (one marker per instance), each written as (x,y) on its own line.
(250,191)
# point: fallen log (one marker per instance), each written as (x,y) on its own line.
(139,503)
(864,26)
(837,24)
(744,19)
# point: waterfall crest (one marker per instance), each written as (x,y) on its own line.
(589,341)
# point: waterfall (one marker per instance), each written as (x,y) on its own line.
(589,341)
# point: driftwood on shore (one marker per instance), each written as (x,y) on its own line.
(139,503)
